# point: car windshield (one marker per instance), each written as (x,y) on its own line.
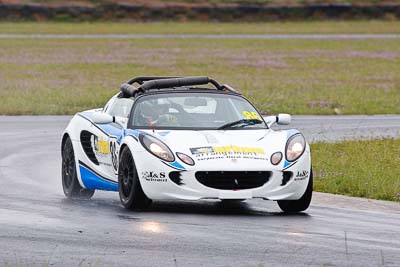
(198,110)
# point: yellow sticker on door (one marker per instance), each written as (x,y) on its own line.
(103,147)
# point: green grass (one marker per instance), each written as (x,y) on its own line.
(358,168)
(295,76)
(60,76)
(200,27)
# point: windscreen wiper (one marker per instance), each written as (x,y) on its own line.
(242,121)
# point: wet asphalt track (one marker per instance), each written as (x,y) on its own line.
(39,227)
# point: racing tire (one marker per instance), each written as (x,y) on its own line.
(130,191)
(232,201)
(70,183)
(291,206)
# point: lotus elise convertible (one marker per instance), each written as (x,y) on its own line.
(184,138)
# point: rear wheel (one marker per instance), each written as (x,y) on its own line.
(130,191)
(71,186)
(301,204)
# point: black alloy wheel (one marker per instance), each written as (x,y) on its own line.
(291,206)
(70,183)
(130,191)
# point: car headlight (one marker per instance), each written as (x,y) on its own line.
(295,147)
(156,147)
(185,158)
(276,158)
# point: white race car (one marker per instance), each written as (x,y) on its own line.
(165,138)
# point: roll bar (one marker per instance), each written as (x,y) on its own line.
(159,82)
(142,79)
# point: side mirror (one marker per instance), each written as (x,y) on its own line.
(102,118)
(283,119)
(280,119)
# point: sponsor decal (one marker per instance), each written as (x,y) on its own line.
(301,175)
(202,150)
(106,151)
(101,146)
(238,149)
(228,152)
(154,176)
(101,149)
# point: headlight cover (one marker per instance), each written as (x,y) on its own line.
(276,158)
(156,147)
(295,147)
(185,158)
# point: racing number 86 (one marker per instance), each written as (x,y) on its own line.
(114,154)
(251,115)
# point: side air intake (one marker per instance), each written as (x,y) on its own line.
(86,143)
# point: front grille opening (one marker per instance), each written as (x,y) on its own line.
(233,180)
(176,177)
(286,177)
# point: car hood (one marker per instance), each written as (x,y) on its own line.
(226,148)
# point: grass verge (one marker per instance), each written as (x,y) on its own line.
(358,168)
(377,26)
(58,76)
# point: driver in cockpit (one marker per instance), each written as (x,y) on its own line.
(156,115)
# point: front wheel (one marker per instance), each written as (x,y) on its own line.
(130,191)
(232,201)
(301,204)
(70,183)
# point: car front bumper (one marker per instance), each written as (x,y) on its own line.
(157,184)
